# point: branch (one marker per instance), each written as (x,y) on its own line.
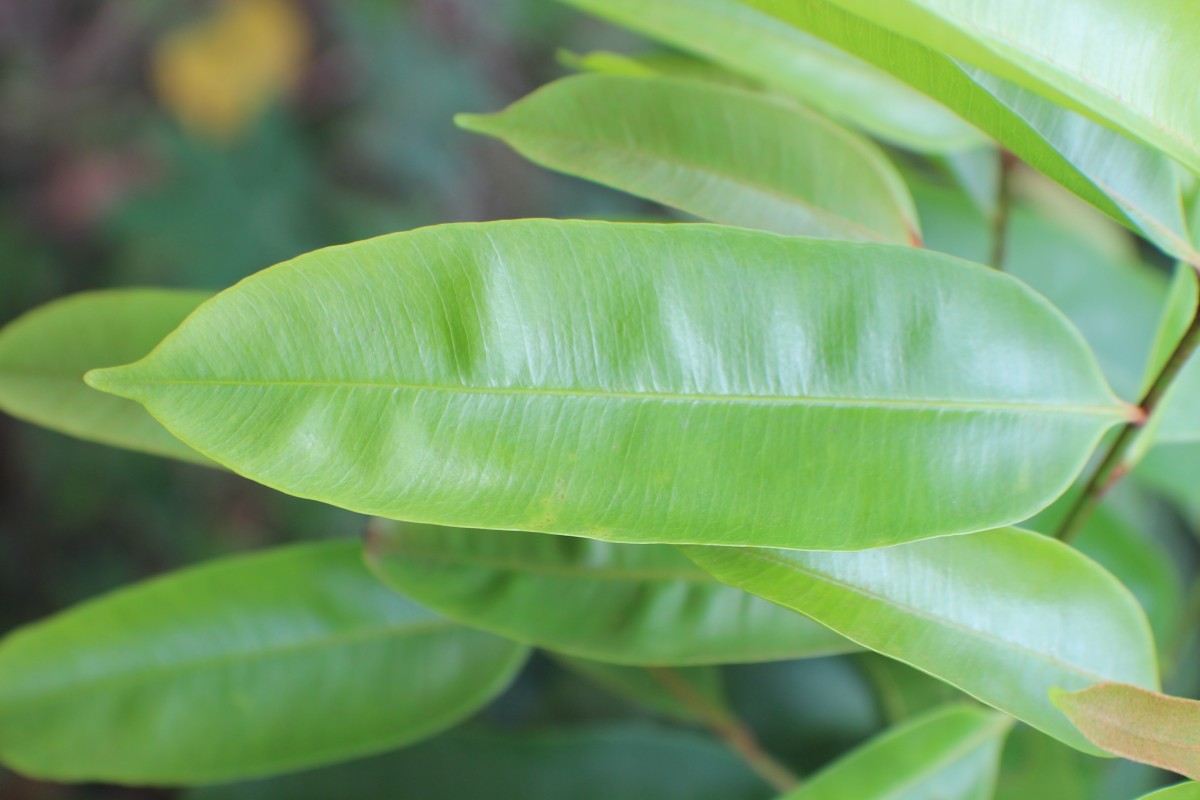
(736,735)
(1004,201)
(1114,465)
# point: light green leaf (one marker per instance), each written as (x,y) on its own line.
(640,383)
(951,753)
(1072,265)
(717,152)
(1129,64)
(243,667)
(610,762)
(1182,791)
(1004,615)
(1178,417)
(1135,184)
(661,689)
(661,609)
(901,691)
(1171,471)
(660,63)
(793,63)
(44,354)
(1138,724)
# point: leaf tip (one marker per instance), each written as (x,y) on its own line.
(475,123)
(109,380)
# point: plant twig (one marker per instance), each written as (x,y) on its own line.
(1114,465)
(1004,200)
(732,731)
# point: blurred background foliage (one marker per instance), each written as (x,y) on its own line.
(189,143)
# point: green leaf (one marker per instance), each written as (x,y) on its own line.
(951,753)
(661,63)
(1182,791)
(659,688)
(1004,615)
(793,63)
(1080,52)
(1178,417)
(640,383)
(610,762)
(44,354)
(1135,184)
(658,608)
(243,667)
(717,152)
(901,691)
(1138,724)
(1036,766)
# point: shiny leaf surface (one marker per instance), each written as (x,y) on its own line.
(1138,724)
(717,152)
(243,667)
(621,603)
(1004,615)
(44,354)
(641,383)
(1080,52)
(754,44)
(950,753)
(1132,182)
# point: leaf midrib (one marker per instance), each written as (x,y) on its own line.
(732,399)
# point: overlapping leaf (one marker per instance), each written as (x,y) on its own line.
(243,667)
(1004,615)
(1129,64)
(621,603)
(949,753)
(1138,724)
(1136,184)
(639,383)
(717,152)
(44,354)
(1182,791)
(751,43)
(691,694)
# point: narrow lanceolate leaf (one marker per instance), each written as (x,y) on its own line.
(1182,791)
(1004,615)
(1134,183)
(951,753)
(44,354)
(1138,724)
(717,152)
(596,762)
(751,43)
(1079,52)
(623,603)
(243,667)
(638,383)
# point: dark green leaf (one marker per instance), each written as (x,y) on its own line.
(243,667)
(621,603)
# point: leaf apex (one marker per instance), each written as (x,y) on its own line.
(110,380)
(475,123)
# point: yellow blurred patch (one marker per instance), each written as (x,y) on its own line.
(217,75)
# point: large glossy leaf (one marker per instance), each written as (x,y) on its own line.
(1129,64)
(247,666)
(609,762)
(621,603)
(1004,615)
(717,152)
(754,44)
(1134,183)
(951,753)
(1138,724)
(678,383)
(44,354)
